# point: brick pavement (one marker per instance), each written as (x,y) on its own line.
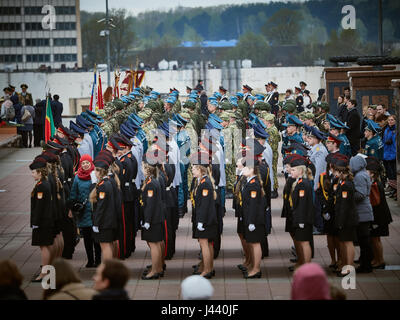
(15,243)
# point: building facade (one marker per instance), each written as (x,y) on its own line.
(28,43)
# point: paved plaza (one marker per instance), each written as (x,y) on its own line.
(16,185)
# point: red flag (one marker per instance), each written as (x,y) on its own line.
(100,95)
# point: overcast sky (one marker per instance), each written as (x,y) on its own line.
(137,6)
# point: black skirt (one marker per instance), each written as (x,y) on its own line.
(381,231)
(257,235)
(210,232)
(329,227)
(155,233)
(347,234)
(42,237)
(105,235)
(303,234)
(240,226)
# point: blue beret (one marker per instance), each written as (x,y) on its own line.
(215,124)
(259,132)
(214,103)
(239,94)
(82,122)
(372,126)
(74,127)
(251,97)
(192,100)
(155,93)
(217,95)
(293,120)
(260,97)
(215,117)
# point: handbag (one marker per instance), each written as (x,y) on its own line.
(26,116)
(374,196)
(78,208)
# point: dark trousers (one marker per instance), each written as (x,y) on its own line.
(318,222)
(129,216)
(38,134)
(25,135)
(364,241)
(122,234)
(68,228)
(220,223)
(90,244)
(170,232)
(355,147)
(390,168)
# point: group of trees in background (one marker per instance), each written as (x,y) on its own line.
(288,33)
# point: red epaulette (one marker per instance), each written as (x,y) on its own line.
(203,180)
(148,181)
(122,160)
(252,180)
(101,183)
(300,180)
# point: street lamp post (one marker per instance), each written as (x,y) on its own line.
(108,45)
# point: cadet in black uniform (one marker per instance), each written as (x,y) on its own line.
(346,217)
(58,203)
(152,220)
(42,222)
(104,214)
(382,215)
(253,206)
(302,209)
(127,176)
(204,215)
(326,198)
(238,207)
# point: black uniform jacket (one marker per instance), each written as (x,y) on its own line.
(382,215)
(325,195)
(41,210)
(345,207)
(127,176)
(286,194)
(253,203)
(204,203)
(104,215)
(151,198)
(303,205)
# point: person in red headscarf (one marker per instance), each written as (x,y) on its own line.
(310,283)
(80,191)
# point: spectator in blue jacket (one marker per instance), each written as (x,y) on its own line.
(80,192)
(389,155)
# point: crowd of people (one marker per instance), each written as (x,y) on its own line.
(134,165)
(19,109)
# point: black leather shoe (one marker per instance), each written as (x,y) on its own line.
(209,275)
(293,260)
(274,194)
(254,276)
(154,276)
(196,272)
(90,265)
(340,274)
(357,261)
(291,268)
(181,212)
(242,267)
(381,266)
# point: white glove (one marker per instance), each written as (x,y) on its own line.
(252,227)
(95,229)
(200,226)
(146,226)
(93,177)
(326,216)
(374,226)
(35,227)
(301,225)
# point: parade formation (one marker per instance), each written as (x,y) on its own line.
(145,161)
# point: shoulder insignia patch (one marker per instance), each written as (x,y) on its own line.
(102,195)
(122,160)
(344,194)
(205,193)
(317,149)
(39,183)
(253,194)
(203,180)
(129,155)
(101,183)
(149,193)
(301,193)
(148,181)
(252,180)
(40,195)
